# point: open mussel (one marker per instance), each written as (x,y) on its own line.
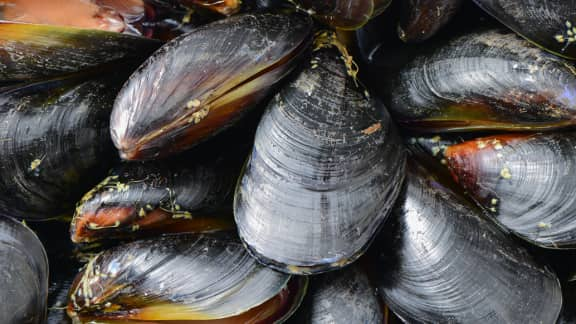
(31,52)
(23,274)
(484,81)
(157,197)
(441,261)
(344,296)
(55,142)
(421,19)
(526,181)
(547,23)
(183,277)
(325,170)
(200,83)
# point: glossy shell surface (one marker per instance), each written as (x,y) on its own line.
(442,262)
(202,82)
(485,81)
(324,172)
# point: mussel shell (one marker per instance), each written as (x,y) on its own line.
(23,274)
(200,83)
(421,19)
(55,142)
(482,81)
(345,14)
(525,181)
(149,197)
(442,262)
(174,277)
(548,23)
(325,170)
(30,52)
(344,296)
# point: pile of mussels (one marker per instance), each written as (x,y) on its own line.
(269,161)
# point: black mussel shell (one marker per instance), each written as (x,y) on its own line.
(202,82)
(32,52)
(344,296)
(325,170)
(421,19)
(547,23)
(54,142)
(157,197)
(441,261)
(484,81)
(183,277)
(23,274)
(525,181)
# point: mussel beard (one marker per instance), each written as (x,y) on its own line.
(202,82)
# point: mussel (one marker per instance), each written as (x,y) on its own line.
(31,52)
(484,81)
(344,296)
(183,277)
(325,170)
(55,142)
(547,23)
(345,14)
(441,261)
(157,197)
(525,181)
(23,274)
(200,83)
(421,19)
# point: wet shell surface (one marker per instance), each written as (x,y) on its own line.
(324,172)
(32,52)
(525,181)
(23,274)
(157,197)
(344,296)
(202,82)
(548,23)
(178,277)
(441,261)
(343,14)
(484,81)
(54,142)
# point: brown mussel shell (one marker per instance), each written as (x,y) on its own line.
(324,172)
(490,80)
(525,181)
(345,14)
(183,277)
(421,19)
(202,82)
(441,261)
